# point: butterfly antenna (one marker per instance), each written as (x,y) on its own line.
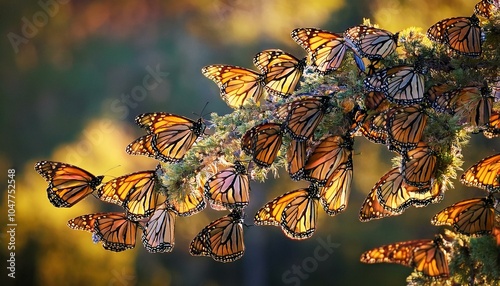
(104,174)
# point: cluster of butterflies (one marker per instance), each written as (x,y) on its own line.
(396,109)
(472,217)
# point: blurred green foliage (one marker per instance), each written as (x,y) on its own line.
(66,94)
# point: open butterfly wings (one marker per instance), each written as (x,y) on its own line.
(325,49)
(461,34)
(158,235)
(402,85)
(169,136)
(295,212)
(137,193)
(471,217)
(370,42)
(237,85)
(485,174)
(115,230)
(425,255)
(282,71)
(222,239)
(68,184)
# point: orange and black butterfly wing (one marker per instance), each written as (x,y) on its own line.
(335,195)
(372,209)
(222,239)
(282,71)
(419,165)
(332,151)
(326,50)
(143,146)
(137,193)
(486,8)
(263,143)
(425,255)
(115,230)
(296,157)
(237,85)
(229,187)
(68,184)
(485,174)
(173,134)
(158,235)
(461,34)
(186,203)
(406,126)
(471,217)
(492,129)
(298,220)
(370,42)
(304,115)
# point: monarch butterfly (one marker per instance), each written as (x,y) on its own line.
(424,255)
(115,230)
(485,174)
(372,209)
(331,151)
(439,98)
(419,165)
(296,157)
(68,184)
(144,146)
(237,85)
(371,42)
(186,203)
(396,196)
(461,34)
(335,195)
(471,217)
(282,71)
(405,126)
(222,239)
(158,235)
(263,143)
(294,211)
(137,193)
(403,85)
(325,49)
(472,104)
(303,115)
(376,100)
(173,136)
(229,187)
(486,8)
(493,126)
(373,128)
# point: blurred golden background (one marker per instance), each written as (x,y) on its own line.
(72,81)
